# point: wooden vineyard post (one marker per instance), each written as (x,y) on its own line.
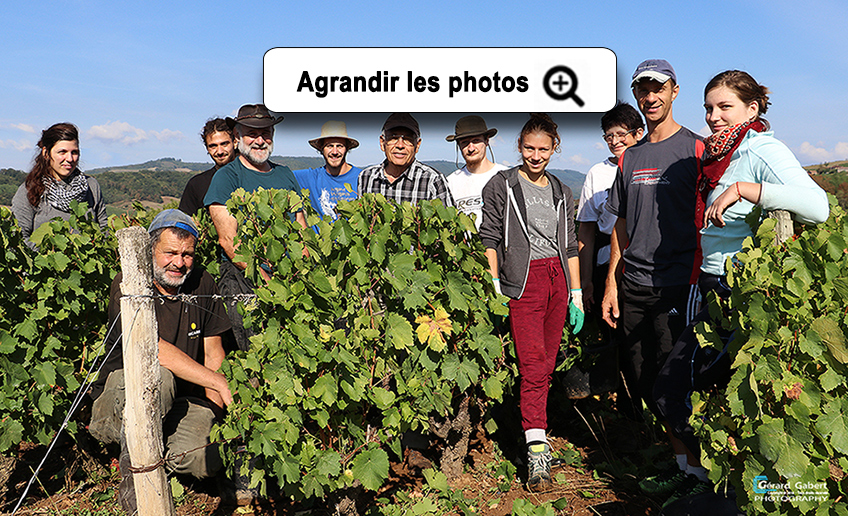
(784,227)
(142,413)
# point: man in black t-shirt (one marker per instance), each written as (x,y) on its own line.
(653,197)
(193,393)
(653,265)
(219,142)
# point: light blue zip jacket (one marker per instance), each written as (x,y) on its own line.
(760,158)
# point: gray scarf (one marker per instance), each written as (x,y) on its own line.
(60,193)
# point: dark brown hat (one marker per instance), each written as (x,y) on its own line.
(254,115)
(471,125)
(396,120)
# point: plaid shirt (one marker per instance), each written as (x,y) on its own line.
(418,182)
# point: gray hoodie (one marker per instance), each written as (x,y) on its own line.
(504,228)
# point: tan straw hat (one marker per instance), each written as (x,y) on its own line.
(334,129)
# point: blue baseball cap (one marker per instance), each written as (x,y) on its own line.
(173,218)
(658,70)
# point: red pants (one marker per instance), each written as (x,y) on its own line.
(537,320)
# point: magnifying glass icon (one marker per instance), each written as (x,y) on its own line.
(561,83)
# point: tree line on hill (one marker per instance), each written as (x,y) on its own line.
(10,180)
(833,178)
(167,177)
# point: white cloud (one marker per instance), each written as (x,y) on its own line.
(498,141)
(167,135)
(122,132)
(24,127)
(118,132)
(820,154)
(578,159)
(601,146)
(20,145)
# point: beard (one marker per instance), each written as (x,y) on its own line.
(161,277)
(222,160)
(257,155)
(475,159)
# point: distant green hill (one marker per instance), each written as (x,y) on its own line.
(833,178)
(445,167)
(161,164)
(298,162)
(10,180)
(572,179)
(142,185)
(166,177)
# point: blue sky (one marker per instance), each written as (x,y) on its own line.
(140,80)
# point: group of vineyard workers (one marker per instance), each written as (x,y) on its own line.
(663,197)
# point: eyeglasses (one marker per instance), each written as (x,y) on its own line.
(392,139)
(611,137)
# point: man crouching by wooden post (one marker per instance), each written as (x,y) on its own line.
(193,394)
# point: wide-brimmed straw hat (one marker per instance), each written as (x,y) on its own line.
(334,129)
(471,125)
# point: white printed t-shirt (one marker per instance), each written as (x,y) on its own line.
(467,190)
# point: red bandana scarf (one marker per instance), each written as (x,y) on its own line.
(719,148)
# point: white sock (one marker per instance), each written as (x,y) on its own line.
(697,471)
(681,461)
(535,434)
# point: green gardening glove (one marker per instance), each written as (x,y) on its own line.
(575,310)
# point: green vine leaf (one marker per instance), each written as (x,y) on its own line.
(833,337)
(371,467)
(398,331)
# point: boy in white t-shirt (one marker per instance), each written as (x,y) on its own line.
(466,184)
(623,127)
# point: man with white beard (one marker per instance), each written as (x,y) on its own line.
(253,129)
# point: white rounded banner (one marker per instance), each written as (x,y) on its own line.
(439,80)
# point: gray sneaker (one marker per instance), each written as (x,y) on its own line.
(538,466)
